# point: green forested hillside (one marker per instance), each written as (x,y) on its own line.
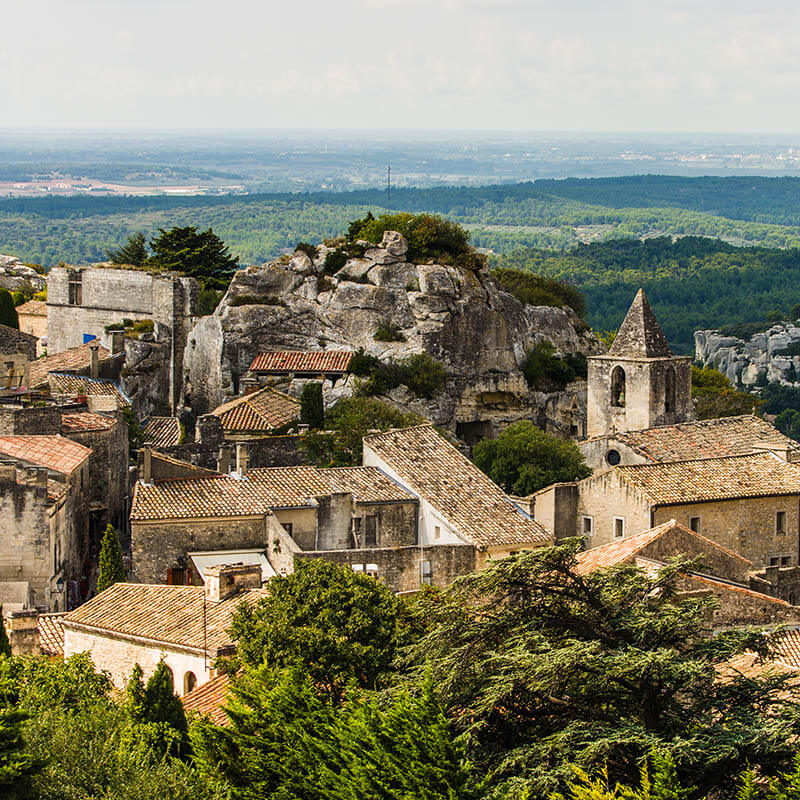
(691,283)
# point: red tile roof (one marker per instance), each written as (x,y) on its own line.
(51,634)
(70,384)
(263,410)
(298,361)
(37,308)
(77,421)
(163,431)
(208,699)
(54,452)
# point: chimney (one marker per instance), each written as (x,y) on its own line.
(227,580)
(224,460)
(94,371)
(242,459)
(117,342)
(146,470)
(23,632)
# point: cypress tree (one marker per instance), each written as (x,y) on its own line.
(312,410)
(5,645)
(134,252)
(134,693)
(8,314)
(160,703)
(112,570)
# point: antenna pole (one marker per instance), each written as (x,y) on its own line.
(388,189)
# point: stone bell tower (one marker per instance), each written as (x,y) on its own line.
(639,383)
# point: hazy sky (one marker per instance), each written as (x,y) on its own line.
(637,65)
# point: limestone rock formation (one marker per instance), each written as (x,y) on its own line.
(461,317)
(761,358)
(15,276)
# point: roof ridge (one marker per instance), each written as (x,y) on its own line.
(640,335)
(665,464)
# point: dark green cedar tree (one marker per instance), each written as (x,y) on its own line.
(112,568)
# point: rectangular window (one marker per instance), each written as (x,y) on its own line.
(619,527)
(694,524)
(786,561)
(371,532)
(587,526)
(426,572)
(780,522)
(75,287)
(288,527)
(773,561)
(437,531)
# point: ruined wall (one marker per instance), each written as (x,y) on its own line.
(556,508)
(405,569)
(303,523)
(334,518)
(117,655)
(396,522)
(269,451)
(157,546)
(604,497)
(746,526)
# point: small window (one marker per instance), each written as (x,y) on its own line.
(513,552)
(773,561)
(189,682)
(357,567)
(437,531)
(619,527)
(371,531)
(694,524)
(780,522)
(426,572)
(288,527)
(587,526)
(372,570)
(786,561)
(613,457)
(75,287)
(618,387)
(669,390)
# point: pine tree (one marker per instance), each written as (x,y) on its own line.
(5,645)
(133,253)
(112,570)
(159,701)
(312,410)
(200,254)
(8,314)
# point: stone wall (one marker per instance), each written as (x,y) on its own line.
(158,546)
(405,569)
(118,655)
(595,453)
(334,517)
(645,394)
(13,341)
(746,526)
(396,522)
(269,451)
(556,508)
(30,421)
(303,523)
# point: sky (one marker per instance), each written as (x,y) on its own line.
(528,65)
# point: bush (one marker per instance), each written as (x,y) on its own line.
(388,332)
(8,313)
(363,364)
(312,409)
(428,237)
(423,375)
(536,290)
(545,371)
(524,459)
(309,249)
(714,395)
(207,301)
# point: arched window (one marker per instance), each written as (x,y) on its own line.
(189,682)
(669,389)
(618,387)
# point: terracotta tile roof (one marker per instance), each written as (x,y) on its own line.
(36,308)
(709,438)
(640,335)
(735,587)
(472,504)
(51,634)
(624,550)
(708,479)
(77,421)
(209,699)
(299,361)
(74,359)
(175,469)
(367,484)
(785,646)
(263,410)
(166,614)
(54,452)
(163,431)
(55,490)
(264,489)
(68,383)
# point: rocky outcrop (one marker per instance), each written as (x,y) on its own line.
(146,375)
(15,276)
(747,363)
(461,317)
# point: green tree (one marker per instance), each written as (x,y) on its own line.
(5,645)
(285,739)
(202,255)
(207,301)
(524,459)
(112,569)
(788,423)
(159,701)
(347,423)
(312,409)
(134,693)
(8,314)
(543,667)
(133,252)
(339,625)
(714,395)
(17,764)
(135,431)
